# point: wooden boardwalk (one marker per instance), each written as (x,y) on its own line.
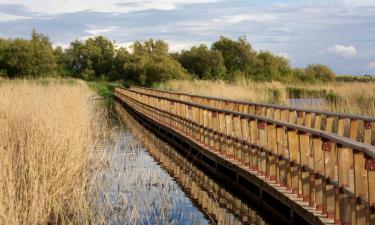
(318,176)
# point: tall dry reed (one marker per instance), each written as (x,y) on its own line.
(346,97)
(246,90)
(47,135)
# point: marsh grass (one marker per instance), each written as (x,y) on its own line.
(48,131)
(346,97)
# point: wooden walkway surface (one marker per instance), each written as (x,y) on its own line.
(321,177)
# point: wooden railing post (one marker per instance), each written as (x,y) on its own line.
(254,140)
(281,148)
(238,135)
(367,133)
(370,167)
(305,152)
(245,139)
(272,147)
(222,126)
(294,158)
(343,175)
(319,171)
(360,185)
(263,146)
(216,127)
(329,173)
(229,135)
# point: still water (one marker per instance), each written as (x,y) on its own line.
(151,183)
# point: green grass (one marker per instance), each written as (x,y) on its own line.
(105,90)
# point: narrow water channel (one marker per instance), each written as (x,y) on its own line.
(152,183)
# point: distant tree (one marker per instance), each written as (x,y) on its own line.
(151,63)
(272,67)
(320,72)
(100,52)
(3,46)
(122,57)
(17,58)
(43,62)
(238,55)
(203,62)
(92,59)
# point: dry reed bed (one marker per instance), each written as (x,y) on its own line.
(47,136)
(347,97)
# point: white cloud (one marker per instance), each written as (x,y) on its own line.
(247,17)
(283,54)
(371,65)
(112,6)
(176,46)
(95,30)
(8,17)
(344,51)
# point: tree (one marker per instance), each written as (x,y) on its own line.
(17,58)
(151,63)
(238,55)
(320,72)
(122,57)
(20,57)
(203,62)
(43,62)
(272,67)
(92,59)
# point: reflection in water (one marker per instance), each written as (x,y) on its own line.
(144,183)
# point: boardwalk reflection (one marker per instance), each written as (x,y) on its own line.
(220,205)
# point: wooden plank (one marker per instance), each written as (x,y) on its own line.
(319,170)
(229,134)
(262,129)
(245,129)
(281,148)
(295,159)
(237,135)
(343,172)
(272,146)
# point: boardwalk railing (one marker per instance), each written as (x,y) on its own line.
(217,202)
(333,174)
(355,127)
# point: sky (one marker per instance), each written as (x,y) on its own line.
(338,33)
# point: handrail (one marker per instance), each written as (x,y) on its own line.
(367,149)
(298,109)
(364,129)
(310,162)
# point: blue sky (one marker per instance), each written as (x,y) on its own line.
(339,33)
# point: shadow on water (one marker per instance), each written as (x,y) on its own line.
(152,183)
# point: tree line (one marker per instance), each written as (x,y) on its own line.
(148,62)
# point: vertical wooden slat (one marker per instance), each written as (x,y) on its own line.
(329,124)
(254,140)
(353,133)
(343,172)
(281,148)
(367,133)
(238,136)
(308,119)
(305,161)
(229,133)
(319,170)
(329,173)
(262,129)
(370,167)
(360,185)
(246,139)
(222,127)
(272,147)
(295,158)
